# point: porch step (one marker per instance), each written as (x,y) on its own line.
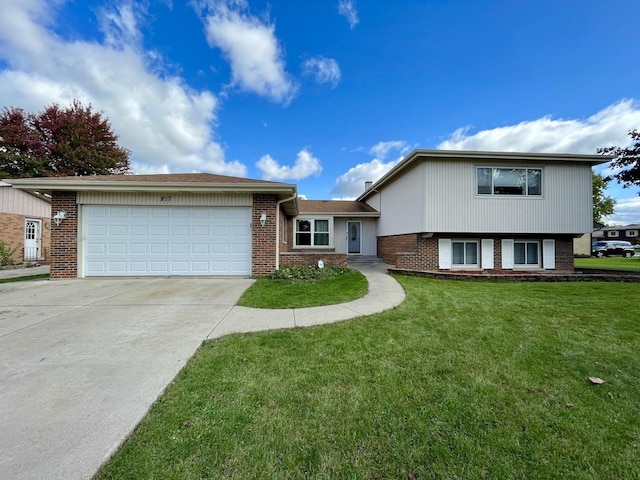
(363,260)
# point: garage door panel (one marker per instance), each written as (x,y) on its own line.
(167,240)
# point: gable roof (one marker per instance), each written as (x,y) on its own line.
(337,208)
(460,155)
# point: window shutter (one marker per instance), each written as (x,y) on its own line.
(487,254)
(507,254)
(549,254)
(444,253)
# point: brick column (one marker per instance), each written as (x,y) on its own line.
(263,239)
(64,237)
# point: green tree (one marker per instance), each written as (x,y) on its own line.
(56,142)
(602,204)
(626,161)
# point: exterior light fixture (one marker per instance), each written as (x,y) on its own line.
(263,219)
(58,217)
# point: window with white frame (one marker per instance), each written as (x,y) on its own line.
(526,254)
(613,234)
(509,181)
(312,232)
(464,253)
(632,233)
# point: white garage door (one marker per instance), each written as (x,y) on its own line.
(131,241)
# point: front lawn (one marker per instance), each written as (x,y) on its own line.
(298,287)
(463,380)
(39,276)
(609,263)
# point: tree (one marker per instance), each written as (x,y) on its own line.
(58,142)
(626,161)
(602,204)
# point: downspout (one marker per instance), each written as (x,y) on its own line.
(278,203)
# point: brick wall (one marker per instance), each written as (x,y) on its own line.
(389,246)
(263,239)
(12,233)
(310,259)
(64,237)
(418,253)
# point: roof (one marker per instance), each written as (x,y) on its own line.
(460,155)
(633,226)
(169,182)
(350,208)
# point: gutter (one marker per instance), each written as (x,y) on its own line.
(278,203)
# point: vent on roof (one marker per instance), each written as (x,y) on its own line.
(367,185)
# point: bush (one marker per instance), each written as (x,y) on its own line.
(6,251)
(306,273)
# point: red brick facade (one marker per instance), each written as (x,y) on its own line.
(64,237)
(12,233)
(310,259)
(420,253)
(263,239)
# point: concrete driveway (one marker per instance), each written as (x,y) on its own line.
(81,361)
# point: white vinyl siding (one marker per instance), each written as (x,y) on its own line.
(439,196)
(153,240)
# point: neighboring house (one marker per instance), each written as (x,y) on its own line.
(435,210)
(492,212)
(628,233)
(582,244)
(25,224)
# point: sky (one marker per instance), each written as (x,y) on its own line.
(328,94)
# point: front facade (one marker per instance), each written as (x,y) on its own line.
(482,212)
(25,224)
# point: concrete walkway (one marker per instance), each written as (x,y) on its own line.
(384,293)
(23,272)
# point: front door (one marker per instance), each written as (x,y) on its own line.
(32,237)
(353,237)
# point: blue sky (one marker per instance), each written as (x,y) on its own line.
(330,93)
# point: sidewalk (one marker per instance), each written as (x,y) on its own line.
(384,293)
(23,272)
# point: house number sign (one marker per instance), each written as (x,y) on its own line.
(165,198)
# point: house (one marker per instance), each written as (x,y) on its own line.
(25,222)
(628,233)
(582,244)
(493,212)
(435,210)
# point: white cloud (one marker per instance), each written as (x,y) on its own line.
(382,149)
(627,212)
(347,8)
(607,127)
(323,70)
(252,49)
(166,125)
(306,165)
(350,185)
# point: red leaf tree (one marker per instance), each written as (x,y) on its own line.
(56,142)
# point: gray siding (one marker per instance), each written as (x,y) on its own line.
(440,196)
(169,199)
(18,202)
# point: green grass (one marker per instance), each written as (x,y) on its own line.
(301,291)
(24,278)
(609,263)
(464,380)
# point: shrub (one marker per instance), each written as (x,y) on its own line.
(306,273)
(6,251)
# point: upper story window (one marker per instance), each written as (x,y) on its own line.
(312,232)
(509,181)
(632,233)
(612,234)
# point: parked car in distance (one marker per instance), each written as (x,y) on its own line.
(607,249)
